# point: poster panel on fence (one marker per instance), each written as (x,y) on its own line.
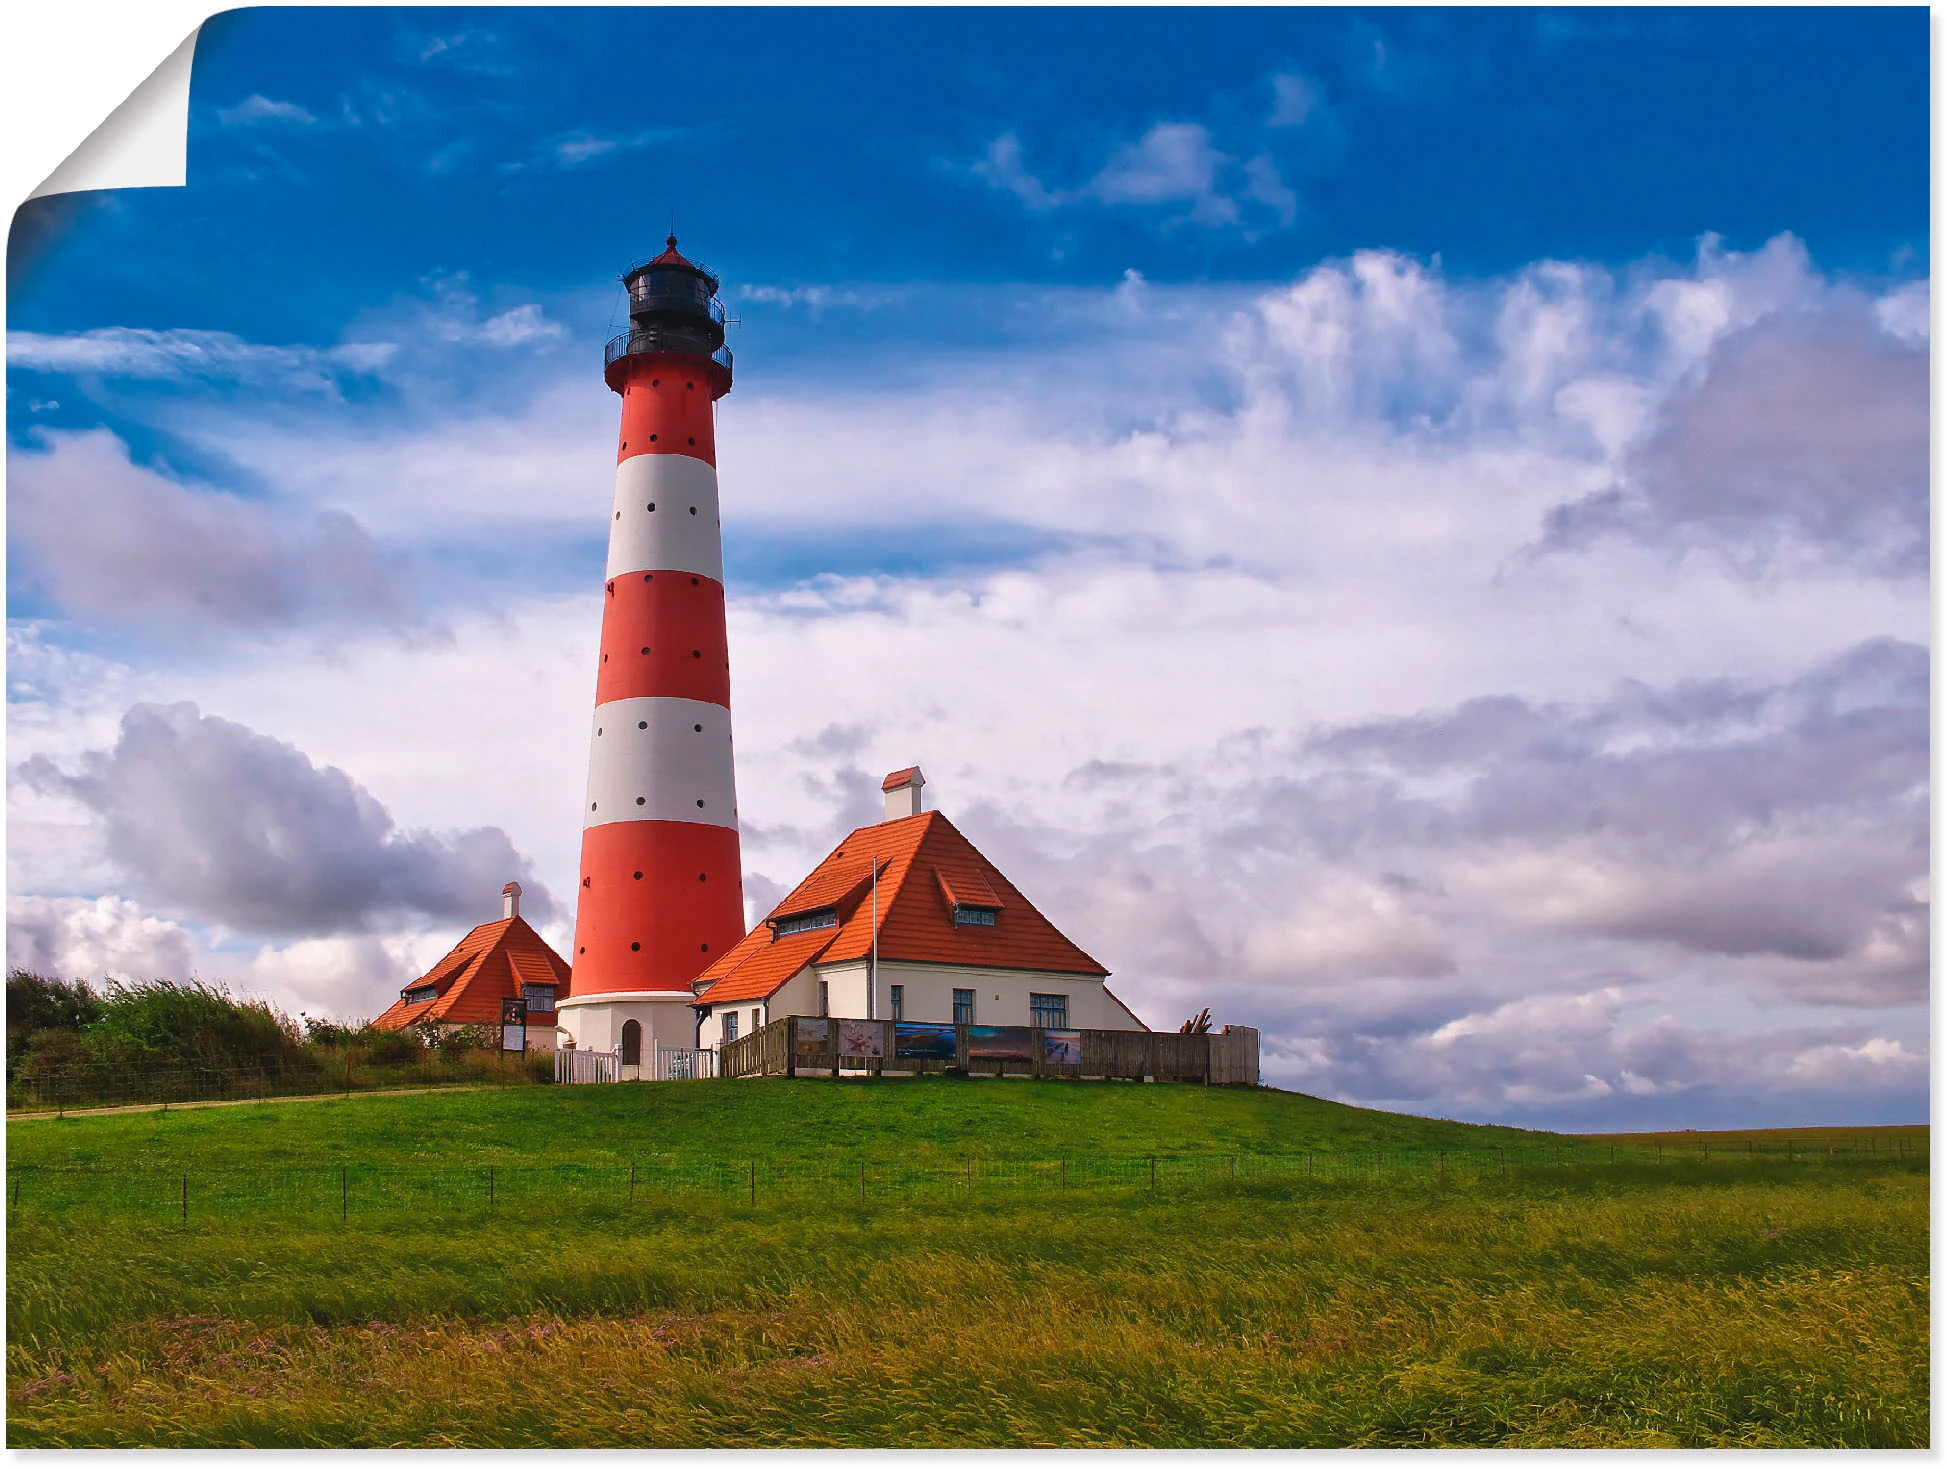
(513,1025)
(919,1042)
(814,1035)
(861,1039)
(1061,1046)
(1000,1043)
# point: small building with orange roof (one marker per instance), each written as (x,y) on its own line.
(907,921)
(504,960)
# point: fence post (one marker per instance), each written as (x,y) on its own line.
(1504,1161)
(490,1186)
(1064,1175)
(1152,1173)
(185,1199)
(1230,1167)
(344,1193)
(1443,1164)
(632,1184)
(861,1183)
(1308,1164)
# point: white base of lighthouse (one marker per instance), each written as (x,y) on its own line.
(663,1018)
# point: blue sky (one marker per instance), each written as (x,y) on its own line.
(1321,492)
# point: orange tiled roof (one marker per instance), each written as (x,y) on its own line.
(829,885)
(970,889)
(488,966)
(915,918)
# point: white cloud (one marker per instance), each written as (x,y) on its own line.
(818,299)
(1174,169)
(94,939)
(1296,100)
(1172,163)
(110,542)
(183,355)
(257,108)
(1906,313)
(1002,167)
(519,326)
(239,829)
(1268,188)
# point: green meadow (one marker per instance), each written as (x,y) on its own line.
(950,1262)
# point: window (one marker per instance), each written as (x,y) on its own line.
(424,992)
(798,923)
(824,997)
(899,1002)
(538,997)
(632,1043)
(967,913)
(963,1007)
(755,1024)
(1049,1012)
(729,1025)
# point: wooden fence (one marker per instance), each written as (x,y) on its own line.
(794,1046)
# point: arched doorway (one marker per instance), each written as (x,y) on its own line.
(632,1043)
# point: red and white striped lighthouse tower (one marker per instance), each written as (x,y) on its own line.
(661,876)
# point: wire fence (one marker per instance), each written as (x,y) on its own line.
(344,1190)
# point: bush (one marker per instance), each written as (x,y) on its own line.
(36,1003)
(390,1048)
(159,1023)
(320,1032)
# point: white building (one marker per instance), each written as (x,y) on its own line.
(906,921)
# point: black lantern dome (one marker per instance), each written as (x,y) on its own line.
(673,307)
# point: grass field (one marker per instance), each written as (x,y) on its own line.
(1745,1301)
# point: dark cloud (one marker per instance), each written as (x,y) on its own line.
(214,821)
(110,542)
(1806,434)
(1466,909)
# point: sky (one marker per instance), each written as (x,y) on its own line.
(1410,529)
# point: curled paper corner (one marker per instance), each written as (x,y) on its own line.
(144,143)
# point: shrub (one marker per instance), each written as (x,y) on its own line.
(458,1040)
(160,1023)
(320,1032)
(36,1003)
(390,1048)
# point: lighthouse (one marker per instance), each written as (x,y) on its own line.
(661,892)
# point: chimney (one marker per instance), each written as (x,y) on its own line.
(902,790)
(511,897)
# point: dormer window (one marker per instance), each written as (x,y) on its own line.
(538,997)
(970,899)
(798,923)
(420,993)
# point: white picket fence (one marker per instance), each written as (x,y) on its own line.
(571,1064)
(665,1064)
(682,1063)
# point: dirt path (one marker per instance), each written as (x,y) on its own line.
(243,1102)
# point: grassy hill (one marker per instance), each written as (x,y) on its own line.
(1748,1300)
(928,1120)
